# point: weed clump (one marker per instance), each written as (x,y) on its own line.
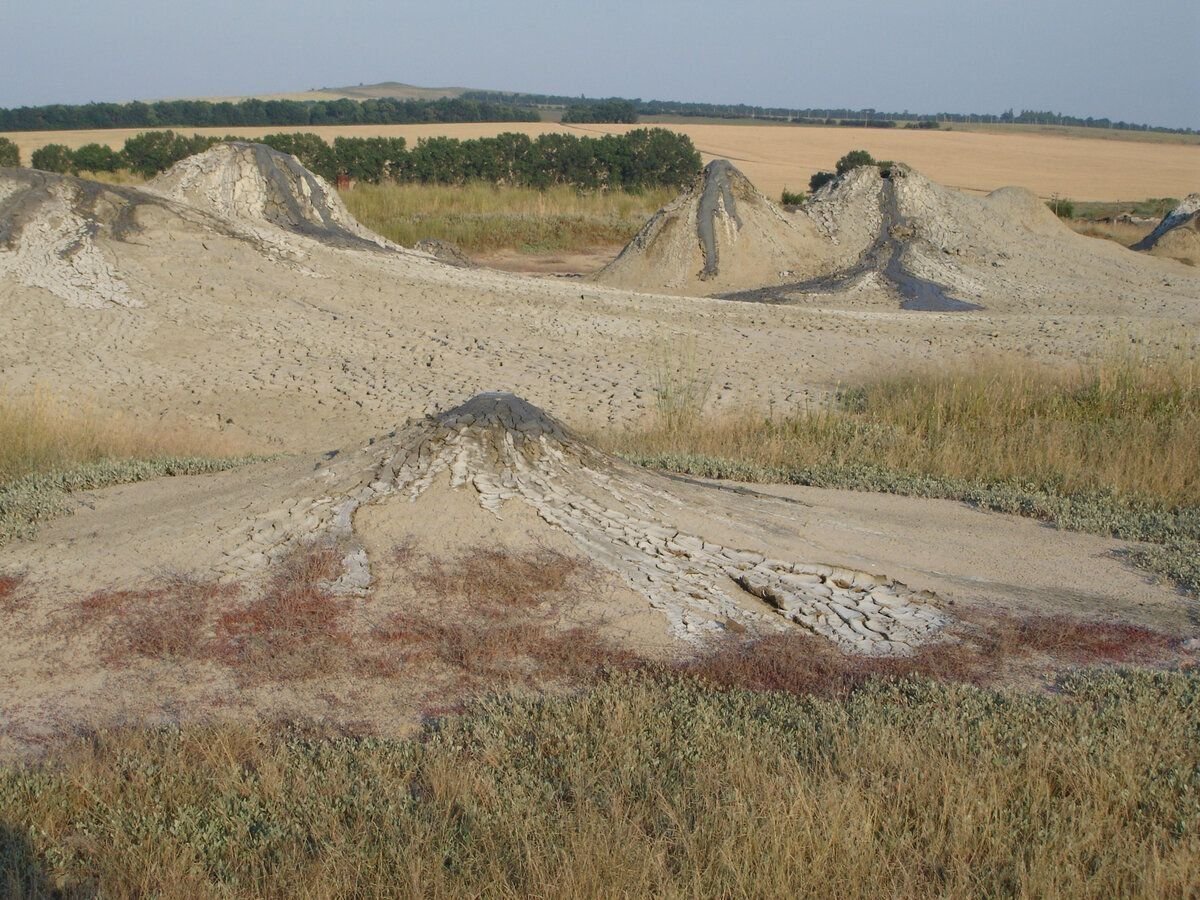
(293,630)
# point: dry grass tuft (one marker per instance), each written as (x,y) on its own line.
(167,621)
(1124,233)
(42,433)
(1088,643)
(1122,424)
(178,627)
(9,587)
(495,617)
(498,577)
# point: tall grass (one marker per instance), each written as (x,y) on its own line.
(40,433)
(1124,233)
(482,218)
(1122,424)
(644,786)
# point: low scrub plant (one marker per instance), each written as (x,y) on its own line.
(1061,207)
(646,785)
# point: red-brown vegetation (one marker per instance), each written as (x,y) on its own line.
(979,652)
(294,630)
(9,585)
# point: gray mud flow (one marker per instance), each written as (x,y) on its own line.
(885,256)
(23,207)
(716,188)
(272,164)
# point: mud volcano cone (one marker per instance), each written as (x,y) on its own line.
(720,234)
(1178,235)
(253,184)
(515,460)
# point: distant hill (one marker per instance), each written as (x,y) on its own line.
(389,89)
(401,91)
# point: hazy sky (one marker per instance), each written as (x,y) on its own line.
(1117,58)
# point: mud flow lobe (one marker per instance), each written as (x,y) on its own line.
(717,190)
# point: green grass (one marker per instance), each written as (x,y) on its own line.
(643,786)
(481,218)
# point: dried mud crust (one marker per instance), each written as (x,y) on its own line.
(509,451)
(48,235)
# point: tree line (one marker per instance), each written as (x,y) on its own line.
(643,158)
(620,111)
(260,113)
(870,118)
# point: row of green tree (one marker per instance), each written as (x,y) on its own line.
(642,158)
(870,118)
(260,113)
(620,111)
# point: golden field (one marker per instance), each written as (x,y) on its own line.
(775,157)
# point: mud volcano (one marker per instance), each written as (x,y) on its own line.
(720,233)
(885,256)
(511,454)
(1177,236)
(255,185)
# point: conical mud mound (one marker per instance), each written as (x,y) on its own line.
(511,455)
(257,186)
(720,234)
(1177,236)
(71,237)
(862,210)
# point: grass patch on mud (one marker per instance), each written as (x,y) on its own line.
(1111,447)
(480,218)
(49,449)
(645,785)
